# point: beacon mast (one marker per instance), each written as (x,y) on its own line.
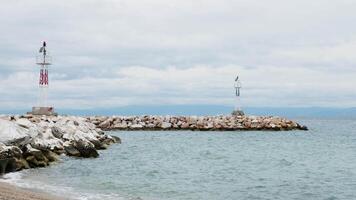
(237,86)
(44,61)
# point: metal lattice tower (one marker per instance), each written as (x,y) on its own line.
(43,60)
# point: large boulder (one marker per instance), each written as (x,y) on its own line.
(105,124)
(9,151)
(12,133)
(9,157)
(57,132)
(46,141)
(136,126)
(23,122)
(71,150)
(166,125)
(35,157)
(117,139)
(86,149)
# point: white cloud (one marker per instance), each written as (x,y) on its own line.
(341,52)
(124,52)
(262,86)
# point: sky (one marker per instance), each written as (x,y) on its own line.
(108,53)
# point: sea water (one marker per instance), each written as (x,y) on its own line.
(176,165)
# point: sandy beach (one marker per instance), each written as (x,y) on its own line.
(10,192)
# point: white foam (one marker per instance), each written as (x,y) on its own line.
(17,179)
(11,177)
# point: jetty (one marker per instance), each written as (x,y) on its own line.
(195,123)
(29,141)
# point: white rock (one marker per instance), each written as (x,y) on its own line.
(23,122)
(46,140)
(121,125)
(166,125)
(136,126)
(11,132)
(255,121)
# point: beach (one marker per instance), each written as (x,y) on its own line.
(10,192)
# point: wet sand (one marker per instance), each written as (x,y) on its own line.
(10,192)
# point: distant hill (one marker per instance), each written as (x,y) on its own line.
(305,112)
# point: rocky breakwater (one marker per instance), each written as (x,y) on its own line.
(32,141)
(207,123)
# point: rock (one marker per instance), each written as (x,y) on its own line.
(103,146)
(166,125)
(42,138)
(185,125)
(33,162)
(117,139)
(30,151)
(136,126)
(46,141)
(209,125)
(99,131)
(7,165)
(97,144)
(23,122)
(51,156)
(57,132)
(8,156)
(105,124)
(86,149)
(21,164)
(12,133)
(108,141)
(300,127)
(9,151)
(72,151)
(121,125)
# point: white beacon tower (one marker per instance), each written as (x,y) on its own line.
(237,86)
(44,61)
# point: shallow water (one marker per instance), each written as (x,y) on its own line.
(316,164)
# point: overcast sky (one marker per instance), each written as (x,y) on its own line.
(110,53)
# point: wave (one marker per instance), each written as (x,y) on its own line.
(20,179)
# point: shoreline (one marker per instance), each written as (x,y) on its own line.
(11,191)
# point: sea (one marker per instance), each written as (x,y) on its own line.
(192,165)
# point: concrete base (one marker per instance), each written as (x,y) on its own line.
(238,113)
(42,111)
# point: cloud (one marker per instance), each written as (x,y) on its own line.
(139,85)
(112,53)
